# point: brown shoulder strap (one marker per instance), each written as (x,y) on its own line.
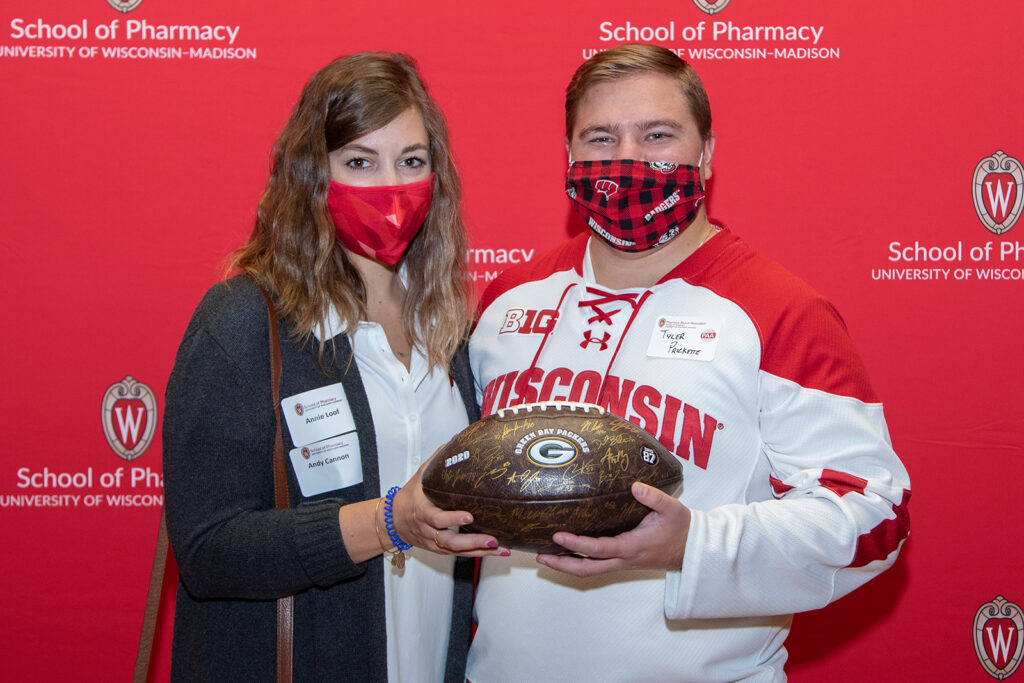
(281,498)
(281,501)
(156,582)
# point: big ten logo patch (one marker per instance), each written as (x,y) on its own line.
(529,321)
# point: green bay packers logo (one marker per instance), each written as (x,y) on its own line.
(552,451)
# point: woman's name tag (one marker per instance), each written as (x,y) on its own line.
(328,465)
(326,456)
(317,414)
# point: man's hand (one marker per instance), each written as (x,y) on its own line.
(658,542)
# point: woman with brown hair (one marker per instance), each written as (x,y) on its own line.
(359,244)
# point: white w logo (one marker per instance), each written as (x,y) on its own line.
(129,427)
(606,187)
(997,200)
(1000,647)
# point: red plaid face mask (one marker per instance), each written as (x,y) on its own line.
(379,222)
(635,205)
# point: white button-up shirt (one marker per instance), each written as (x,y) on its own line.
(415,411)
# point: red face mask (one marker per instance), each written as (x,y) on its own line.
(635,205)
(379,222)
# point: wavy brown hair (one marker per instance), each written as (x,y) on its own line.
(293,250)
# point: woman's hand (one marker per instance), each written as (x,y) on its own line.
(424,525)
(658,542)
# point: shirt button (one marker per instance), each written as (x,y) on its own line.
(412,417)
(415,461)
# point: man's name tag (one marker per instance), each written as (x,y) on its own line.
(317,414)
(683,337)
(328,465)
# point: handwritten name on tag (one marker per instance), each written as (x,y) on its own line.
(684,337)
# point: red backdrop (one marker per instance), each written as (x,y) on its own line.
(847,149)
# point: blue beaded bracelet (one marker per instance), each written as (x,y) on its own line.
(389,521)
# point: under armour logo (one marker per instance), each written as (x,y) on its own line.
(589,338)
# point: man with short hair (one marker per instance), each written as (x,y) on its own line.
(792,493)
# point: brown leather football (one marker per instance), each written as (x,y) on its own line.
(531,470)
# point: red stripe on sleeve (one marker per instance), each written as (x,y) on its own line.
(841,483)
(881,541)
(777,486)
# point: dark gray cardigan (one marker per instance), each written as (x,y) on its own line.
(235,552)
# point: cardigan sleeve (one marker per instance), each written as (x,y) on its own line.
(229,540)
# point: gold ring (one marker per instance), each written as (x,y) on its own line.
(437,541)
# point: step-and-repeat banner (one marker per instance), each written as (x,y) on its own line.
(873,148)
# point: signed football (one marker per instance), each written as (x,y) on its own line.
(531,470)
